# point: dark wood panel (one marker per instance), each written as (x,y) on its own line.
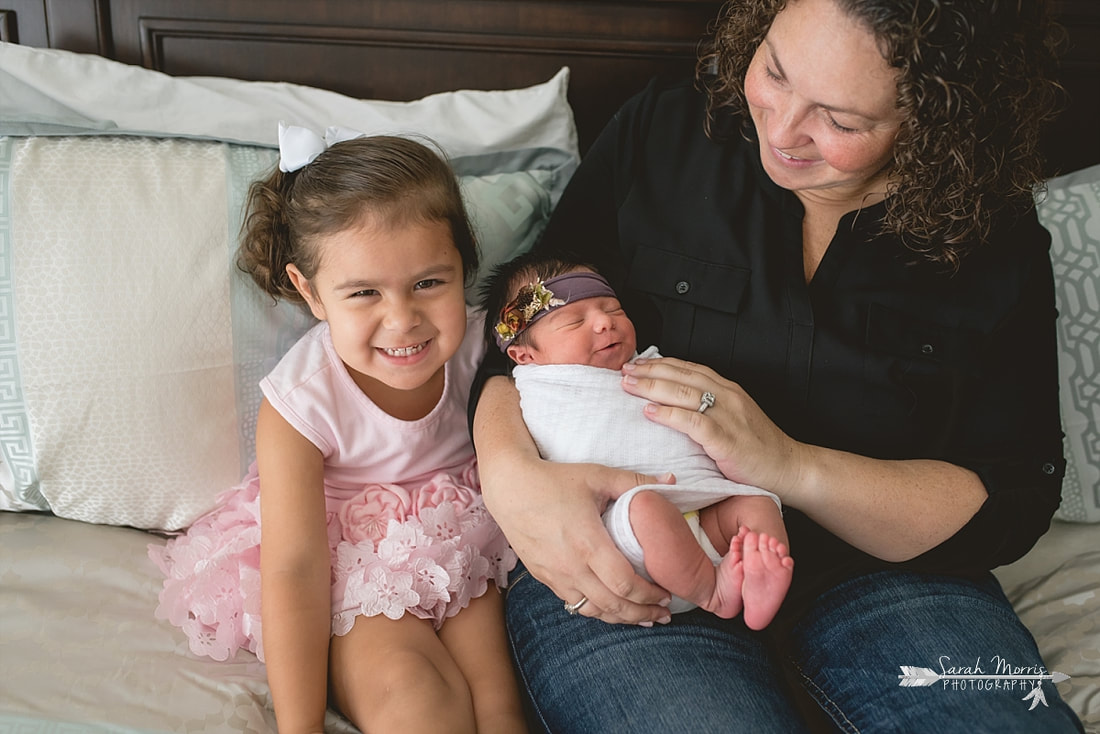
(403,49)
(23,21)
(1072,141)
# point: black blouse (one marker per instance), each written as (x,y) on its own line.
(881,354)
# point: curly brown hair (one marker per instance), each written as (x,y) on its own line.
(975,86)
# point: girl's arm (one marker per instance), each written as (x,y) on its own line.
(550,514)
(294,572)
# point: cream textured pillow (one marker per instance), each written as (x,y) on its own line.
(1071,212)
(131,346)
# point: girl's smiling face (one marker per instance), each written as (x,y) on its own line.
(822,99)
(394,301)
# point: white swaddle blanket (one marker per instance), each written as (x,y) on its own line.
(577,413)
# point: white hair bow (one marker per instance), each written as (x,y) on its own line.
(299,146)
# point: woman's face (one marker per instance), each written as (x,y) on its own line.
(822,99)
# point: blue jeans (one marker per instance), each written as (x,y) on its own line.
(704,674)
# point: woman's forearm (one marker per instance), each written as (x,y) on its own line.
(550,514)
(894,510)
(502,442)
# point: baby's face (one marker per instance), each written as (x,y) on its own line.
(592,331)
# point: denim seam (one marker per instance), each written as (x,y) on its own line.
(830,707)
(515,656)
(522,575)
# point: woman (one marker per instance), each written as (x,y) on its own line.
(836,238)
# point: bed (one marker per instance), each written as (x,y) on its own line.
(129,130)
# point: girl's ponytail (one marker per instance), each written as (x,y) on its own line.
(267,246)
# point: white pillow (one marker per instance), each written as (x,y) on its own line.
(130,346)
(52,92)
(1071,212)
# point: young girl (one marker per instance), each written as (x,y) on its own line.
(377,557)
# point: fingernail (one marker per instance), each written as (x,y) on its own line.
(645,624)
(628,367)
(664,620)
(665,602)
(630,380)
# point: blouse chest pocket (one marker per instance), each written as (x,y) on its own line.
(698,302)
(920,367)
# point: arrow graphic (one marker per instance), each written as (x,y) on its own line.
(916,677)
(1036,697)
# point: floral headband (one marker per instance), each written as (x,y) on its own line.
(537,299)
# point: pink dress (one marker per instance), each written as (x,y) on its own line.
(407,528)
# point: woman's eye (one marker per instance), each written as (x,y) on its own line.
(771,74)
(838,127)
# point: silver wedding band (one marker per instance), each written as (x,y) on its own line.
(706,402)
(574,608)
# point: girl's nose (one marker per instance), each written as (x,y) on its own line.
(401,316)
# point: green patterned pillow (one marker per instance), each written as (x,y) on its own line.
(1071,211)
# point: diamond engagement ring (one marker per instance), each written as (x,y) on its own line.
(574,608)
(706,402)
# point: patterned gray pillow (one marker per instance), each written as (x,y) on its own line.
(1071,211)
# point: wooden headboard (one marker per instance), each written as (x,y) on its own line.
(404,49)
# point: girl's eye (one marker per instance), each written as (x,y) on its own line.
(427,283)
(366,292)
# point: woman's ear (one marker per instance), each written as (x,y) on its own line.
(301,284)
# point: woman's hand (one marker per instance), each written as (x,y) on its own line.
(550,514)
(894,510)
(747,446)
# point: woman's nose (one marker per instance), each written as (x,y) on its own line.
(785,127)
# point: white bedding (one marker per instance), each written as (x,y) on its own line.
(81,650)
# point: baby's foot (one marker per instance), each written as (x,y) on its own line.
(729,577)
(767,572)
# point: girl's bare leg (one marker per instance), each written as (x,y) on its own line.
(478,643)
(674,559)
(397,675)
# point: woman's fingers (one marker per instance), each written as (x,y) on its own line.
(581,560)
(747,446)
(674,382)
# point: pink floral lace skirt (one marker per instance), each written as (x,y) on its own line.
(427,551)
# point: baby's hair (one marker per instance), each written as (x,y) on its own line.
(506,280)
(394,181)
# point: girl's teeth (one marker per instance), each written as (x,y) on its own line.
(404,351)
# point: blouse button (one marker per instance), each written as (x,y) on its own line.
(1048,468)
(683,287)
(927,349)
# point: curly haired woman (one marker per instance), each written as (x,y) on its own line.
(833,234)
